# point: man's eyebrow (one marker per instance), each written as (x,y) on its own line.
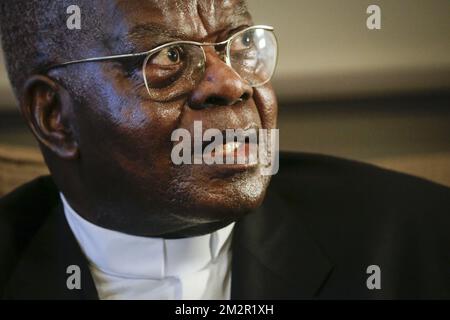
(154,33)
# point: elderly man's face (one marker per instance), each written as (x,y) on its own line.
(124,136)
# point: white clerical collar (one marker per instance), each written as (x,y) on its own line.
(131,256)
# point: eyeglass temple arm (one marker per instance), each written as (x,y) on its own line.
(97,59)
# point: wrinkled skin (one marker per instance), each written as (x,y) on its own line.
(112,155)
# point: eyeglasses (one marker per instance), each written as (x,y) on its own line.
(175,68)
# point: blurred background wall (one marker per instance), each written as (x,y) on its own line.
(380,96)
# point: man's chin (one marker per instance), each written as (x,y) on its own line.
(229,197)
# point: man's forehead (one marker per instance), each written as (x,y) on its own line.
(192,19)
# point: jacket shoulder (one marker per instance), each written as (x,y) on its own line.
(362,215)
(331,190)
(329,176)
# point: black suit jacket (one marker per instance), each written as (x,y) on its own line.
(323,222)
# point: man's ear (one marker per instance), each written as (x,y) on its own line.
(48,109)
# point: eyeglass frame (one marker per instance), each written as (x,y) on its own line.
(150,53)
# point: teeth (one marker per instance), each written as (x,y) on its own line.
(231,146)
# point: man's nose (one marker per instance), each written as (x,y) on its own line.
(220,86)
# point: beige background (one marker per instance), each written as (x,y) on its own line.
(326,48)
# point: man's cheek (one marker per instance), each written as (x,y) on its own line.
(267,106)
(162,118)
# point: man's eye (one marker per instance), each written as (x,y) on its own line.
(168,56)
(166,66)
(243,41)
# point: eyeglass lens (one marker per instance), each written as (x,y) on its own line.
(176,70)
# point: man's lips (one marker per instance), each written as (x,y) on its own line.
(225,148)
(238,152)
(236,158)
(244,149)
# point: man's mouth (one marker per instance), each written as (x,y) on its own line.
(222,149)
(238,151)
(234,151)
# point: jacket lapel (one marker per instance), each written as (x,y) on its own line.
(41,272)
(274,256)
